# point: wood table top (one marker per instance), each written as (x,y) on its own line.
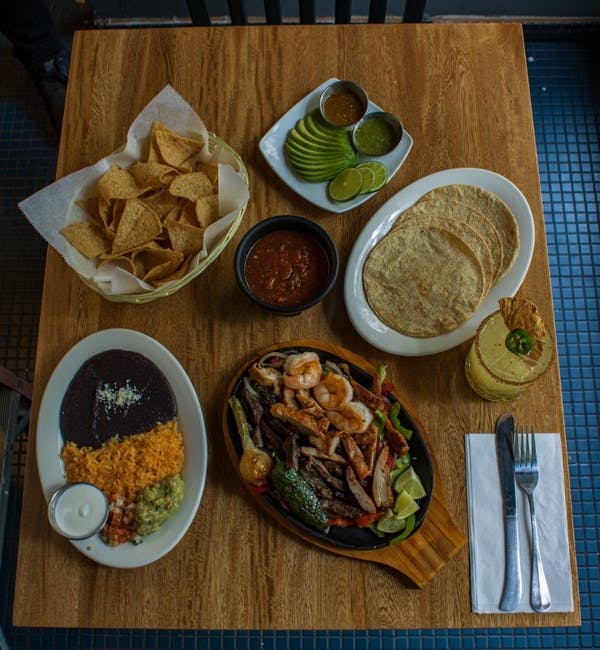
(462,93)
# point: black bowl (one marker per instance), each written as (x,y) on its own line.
(299,225)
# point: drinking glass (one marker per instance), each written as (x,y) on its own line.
(496,373)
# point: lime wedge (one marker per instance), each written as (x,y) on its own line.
(368,176)
(410,483)
(389,523)
(346,185)
(379,170)
(405,505)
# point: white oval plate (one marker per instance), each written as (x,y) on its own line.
(272,147)
(191,422)
(362,316)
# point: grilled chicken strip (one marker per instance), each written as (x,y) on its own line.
(381,488)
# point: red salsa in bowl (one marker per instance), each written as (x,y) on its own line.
(286,263)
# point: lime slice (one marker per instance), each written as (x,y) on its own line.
(410,483)
(389,523)
(368,176)
(405,505)
(346,185)
(380,171)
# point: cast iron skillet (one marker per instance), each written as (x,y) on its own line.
(352,538)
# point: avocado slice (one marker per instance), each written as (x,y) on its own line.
(320,130)
(309,142)
(306,134)
(299,142)
(299,153)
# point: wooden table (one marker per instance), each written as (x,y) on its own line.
(462,93)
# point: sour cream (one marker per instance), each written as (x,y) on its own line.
(78,510)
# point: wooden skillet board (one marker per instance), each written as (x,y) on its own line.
(434,542)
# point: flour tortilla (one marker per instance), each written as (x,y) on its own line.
(423,281)
(493,208)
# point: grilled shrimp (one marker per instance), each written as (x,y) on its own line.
(333,392)
(302,370)
(354,417)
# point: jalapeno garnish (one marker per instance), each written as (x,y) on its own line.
(518,341)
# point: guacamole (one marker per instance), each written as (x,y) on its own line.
(156,503)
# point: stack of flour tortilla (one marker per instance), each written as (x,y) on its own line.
(438,262)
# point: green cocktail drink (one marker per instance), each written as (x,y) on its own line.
(498,373)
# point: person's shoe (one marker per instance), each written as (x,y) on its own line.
(50,78)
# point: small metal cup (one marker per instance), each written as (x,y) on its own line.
(57,501)
(341,86)
(390,119)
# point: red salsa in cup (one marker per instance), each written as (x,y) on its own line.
(286,268)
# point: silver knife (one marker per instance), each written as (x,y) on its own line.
(511,592)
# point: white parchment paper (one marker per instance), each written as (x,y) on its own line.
(53,207)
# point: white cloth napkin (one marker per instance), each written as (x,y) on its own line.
(486,527)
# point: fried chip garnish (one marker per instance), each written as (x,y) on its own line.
(522,313)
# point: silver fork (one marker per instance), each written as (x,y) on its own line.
(526,476)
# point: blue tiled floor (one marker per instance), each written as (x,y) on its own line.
(565,91)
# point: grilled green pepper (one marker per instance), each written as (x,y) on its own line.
(298,495)
(395,420)
(519,342)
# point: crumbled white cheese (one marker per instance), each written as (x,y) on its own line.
(114,397)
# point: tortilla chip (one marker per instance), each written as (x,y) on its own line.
(152,174)
(87,238)
(160,202)
(174,149)
(90,207)
(123,261)
(192,186)
(138,224)
(159,263)
(183,270)
(175,212)
(207,210)
(185,238)
(212,171)
(187,214)
(118,183)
